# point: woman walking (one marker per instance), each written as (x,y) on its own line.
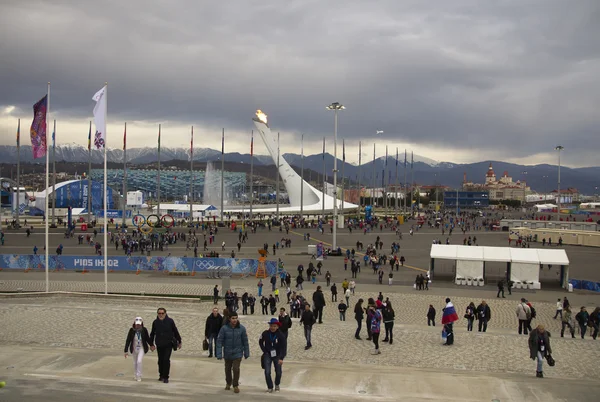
(388,319)
(539,347)
(375,325)
(137,343)
(359,315)
(470,316)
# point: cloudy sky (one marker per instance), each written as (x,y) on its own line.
(458,81)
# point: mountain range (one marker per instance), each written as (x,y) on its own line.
(541,178)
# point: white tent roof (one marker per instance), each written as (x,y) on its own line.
(553,257)
(524,255)
(469,253)
(499,254)
(183,207)
(443,251)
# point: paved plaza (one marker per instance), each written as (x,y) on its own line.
(66,346)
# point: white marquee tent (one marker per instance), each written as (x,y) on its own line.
(523,264)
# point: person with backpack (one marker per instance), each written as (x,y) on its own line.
(566,322)
(374,317)
(524,315)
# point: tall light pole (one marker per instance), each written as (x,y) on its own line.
(335,106)
(558,148)
(545,188)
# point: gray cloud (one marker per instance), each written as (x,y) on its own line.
(506,79)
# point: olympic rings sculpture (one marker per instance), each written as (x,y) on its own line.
(147,224)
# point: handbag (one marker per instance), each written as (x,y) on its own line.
(174,344)
(467,316)
(444,335)
(204,344)
(550,359)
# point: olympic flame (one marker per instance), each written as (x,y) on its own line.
(260,115)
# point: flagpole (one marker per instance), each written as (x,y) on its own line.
(405,200)
(359,176)
(53,174)
(251,172)
(47,245)
(373,180)
(396,187)
(89,189)
(124,175)
(323,207)
(343,165)
(222,173)
(277,181)
(158,179)
(412,179)
(192,178)
(105,194)
(302,177)
(18,173)
(384,183)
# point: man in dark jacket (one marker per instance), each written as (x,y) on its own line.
(163,333)
(285,322)
(273,344)
(333,293)
(214,322)
(232,345)
(308,319)
(484,314)
(539,347)
(319,303)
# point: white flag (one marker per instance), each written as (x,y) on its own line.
(100,118)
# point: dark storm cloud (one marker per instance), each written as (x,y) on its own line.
(513,76)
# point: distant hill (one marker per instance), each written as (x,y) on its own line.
(541,178)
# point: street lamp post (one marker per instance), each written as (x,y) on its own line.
(558,148)
(335,106)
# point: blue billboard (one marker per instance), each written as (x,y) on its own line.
(236,266)
(74,194)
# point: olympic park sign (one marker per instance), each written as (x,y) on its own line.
(235,266)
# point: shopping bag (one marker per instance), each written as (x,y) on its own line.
(444,335)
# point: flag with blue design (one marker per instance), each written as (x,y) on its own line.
(38,128)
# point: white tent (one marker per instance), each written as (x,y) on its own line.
(524,264)
(469,262)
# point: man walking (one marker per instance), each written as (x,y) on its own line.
(213,325)
(524,315)
(484,314)
(501,288)
(232,345)
(273,344)
(162,335)
(333,293)
(319,303)
(285,322)
(307,319)
(559,309)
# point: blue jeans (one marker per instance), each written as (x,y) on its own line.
(260,291)
(212,338)
(540,361)
(307,332)
(267,360)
